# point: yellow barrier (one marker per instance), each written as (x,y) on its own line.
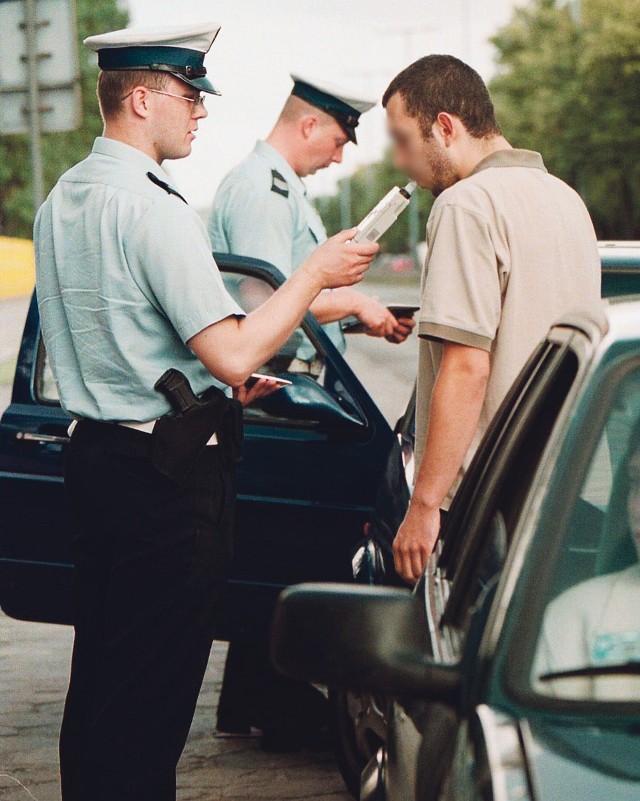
(17,267)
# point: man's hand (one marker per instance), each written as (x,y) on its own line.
(380,322)
(376,318)
(339,261)
(250,392)
(403,329)
(415,540)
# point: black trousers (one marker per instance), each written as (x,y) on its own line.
(151,558)
(253,693)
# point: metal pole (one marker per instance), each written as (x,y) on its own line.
(31,28)
(345,203)
(575,7)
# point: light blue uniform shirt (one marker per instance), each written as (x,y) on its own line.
(261,210)
(124,278)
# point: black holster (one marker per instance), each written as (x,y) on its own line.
(179,437)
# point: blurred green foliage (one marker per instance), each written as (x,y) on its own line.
(568,86)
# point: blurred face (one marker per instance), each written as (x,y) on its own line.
(174,118)
(324,146)
(426,161)
(633,499)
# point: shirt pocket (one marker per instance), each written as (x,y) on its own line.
(315,225)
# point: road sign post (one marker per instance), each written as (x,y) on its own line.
(31,23)
(39,74)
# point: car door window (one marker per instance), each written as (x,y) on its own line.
(589,643)
(298,354)
(46,391)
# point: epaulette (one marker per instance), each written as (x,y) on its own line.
(164,185)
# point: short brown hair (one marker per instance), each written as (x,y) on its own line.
(113,85)
(443,83)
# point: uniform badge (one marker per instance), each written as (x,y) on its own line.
(278,184)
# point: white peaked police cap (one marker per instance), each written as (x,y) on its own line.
(178,50)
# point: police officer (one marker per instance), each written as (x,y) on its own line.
(261,209)
(127,288)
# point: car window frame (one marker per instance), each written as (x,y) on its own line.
(518,414)
(519,662)
(456,525)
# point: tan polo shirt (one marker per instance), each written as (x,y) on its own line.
(510,250)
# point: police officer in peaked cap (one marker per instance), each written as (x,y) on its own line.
(262,210)
(128,289)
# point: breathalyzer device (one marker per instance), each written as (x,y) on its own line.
(387,211)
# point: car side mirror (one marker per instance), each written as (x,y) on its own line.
(305,399)
(360,638)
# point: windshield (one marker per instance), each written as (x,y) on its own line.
(589,644)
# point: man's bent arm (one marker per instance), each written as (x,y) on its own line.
(377,320)
(332,306)
(456,403)
(233,348)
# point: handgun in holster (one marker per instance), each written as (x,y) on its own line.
(180,436)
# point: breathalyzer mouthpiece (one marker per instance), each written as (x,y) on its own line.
(408,190)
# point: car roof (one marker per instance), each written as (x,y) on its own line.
(623,314)
(618,317)
(618,254)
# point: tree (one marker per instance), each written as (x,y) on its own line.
(569,86)
(59,150)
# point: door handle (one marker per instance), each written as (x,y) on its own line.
(44,439)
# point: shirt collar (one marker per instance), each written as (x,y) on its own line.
(511,158)
(119,150)
(277,161)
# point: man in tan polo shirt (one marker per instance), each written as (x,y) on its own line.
(510,249)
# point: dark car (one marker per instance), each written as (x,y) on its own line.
(313,456)
(512,671)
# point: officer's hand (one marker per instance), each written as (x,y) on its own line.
(248,393)
(402,330)
(376,318)
(339,261)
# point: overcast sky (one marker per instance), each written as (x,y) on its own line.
(360,45)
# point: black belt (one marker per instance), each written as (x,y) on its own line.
(116,439)
(125,441)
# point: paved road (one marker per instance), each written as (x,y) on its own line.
(34,664)
(34,658)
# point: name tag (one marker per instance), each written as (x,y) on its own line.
(616,648)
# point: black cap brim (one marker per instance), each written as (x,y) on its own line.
(202,84)
(351,133)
